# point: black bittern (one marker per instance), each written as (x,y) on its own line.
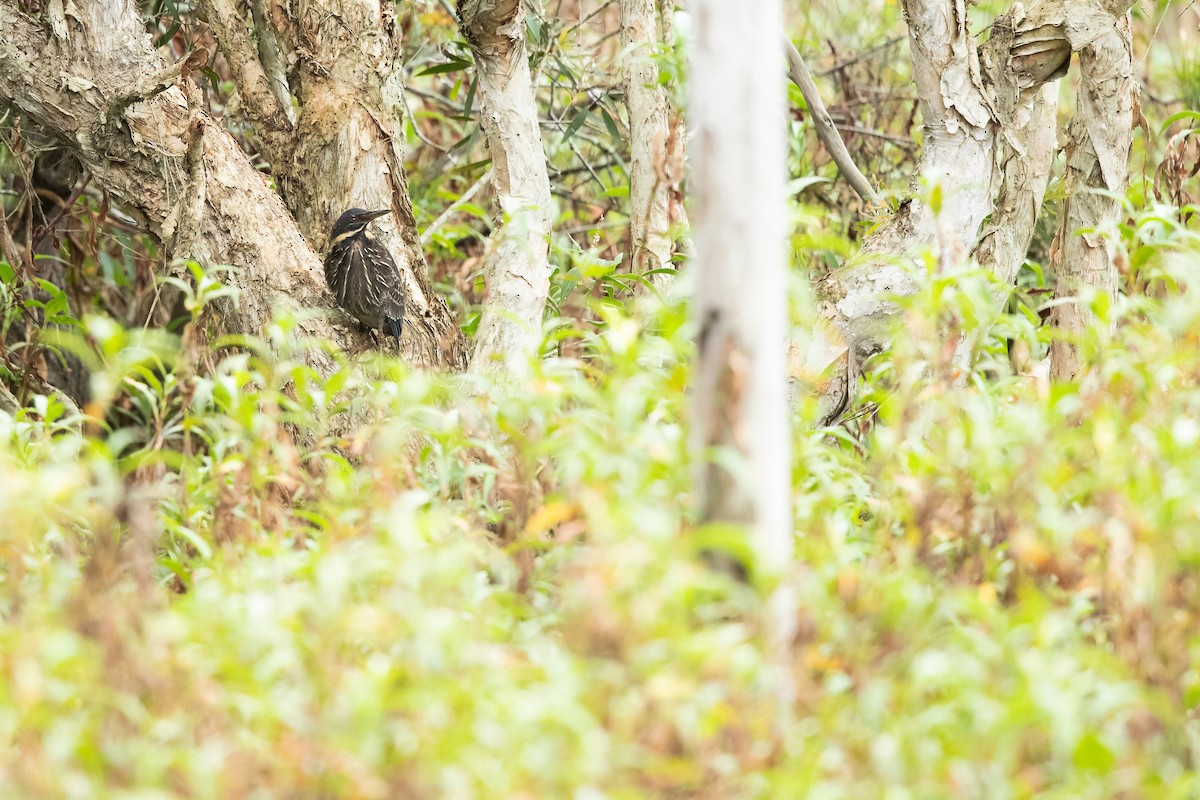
(362,275)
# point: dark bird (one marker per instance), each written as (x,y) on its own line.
(362,275)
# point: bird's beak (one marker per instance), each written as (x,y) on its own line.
(376,214)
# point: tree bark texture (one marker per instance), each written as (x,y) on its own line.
(656,151)
(518,262)
(1026,157)
(741,273)
(989,141)
(322,83)
(1099,140)
(93,79)
(856,302)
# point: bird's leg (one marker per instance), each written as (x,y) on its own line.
(394,327)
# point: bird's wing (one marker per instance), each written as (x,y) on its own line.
(361,289)
(383,279)
(337,264)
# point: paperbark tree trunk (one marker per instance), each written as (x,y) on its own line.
(856,302)
(1098,144)
(989,134)
(518,261)
(338,63)
(1027,155)
(741,273)
(656,154)
(94,81)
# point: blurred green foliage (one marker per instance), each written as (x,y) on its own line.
(249,581)
(257,584)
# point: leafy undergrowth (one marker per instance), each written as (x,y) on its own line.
(398,584)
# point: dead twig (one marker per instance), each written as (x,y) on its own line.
(45,230)
(826,129)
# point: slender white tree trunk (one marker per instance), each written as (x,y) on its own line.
(737,108)
(518,264)
(656,157)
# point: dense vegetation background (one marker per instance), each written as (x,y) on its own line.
(228,576)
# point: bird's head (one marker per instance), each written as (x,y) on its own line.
(352,223)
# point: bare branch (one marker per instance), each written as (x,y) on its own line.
(826,130)
(8,403)
(259,100)
(453,208)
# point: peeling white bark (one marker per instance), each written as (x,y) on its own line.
(989,142)
(741,273)
(857,301)
(1099,140)
(272,54)
(518,263)
(1025,162)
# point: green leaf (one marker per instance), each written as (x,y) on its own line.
(469,103)
(169,35)
(454,65)
(576,123)
(610,124)
(1178,116)
(214,80)
(535,27)
(1092,754)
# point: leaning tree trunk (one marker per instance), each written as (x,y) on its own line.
(338,63)
(93,79)
(518,262)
